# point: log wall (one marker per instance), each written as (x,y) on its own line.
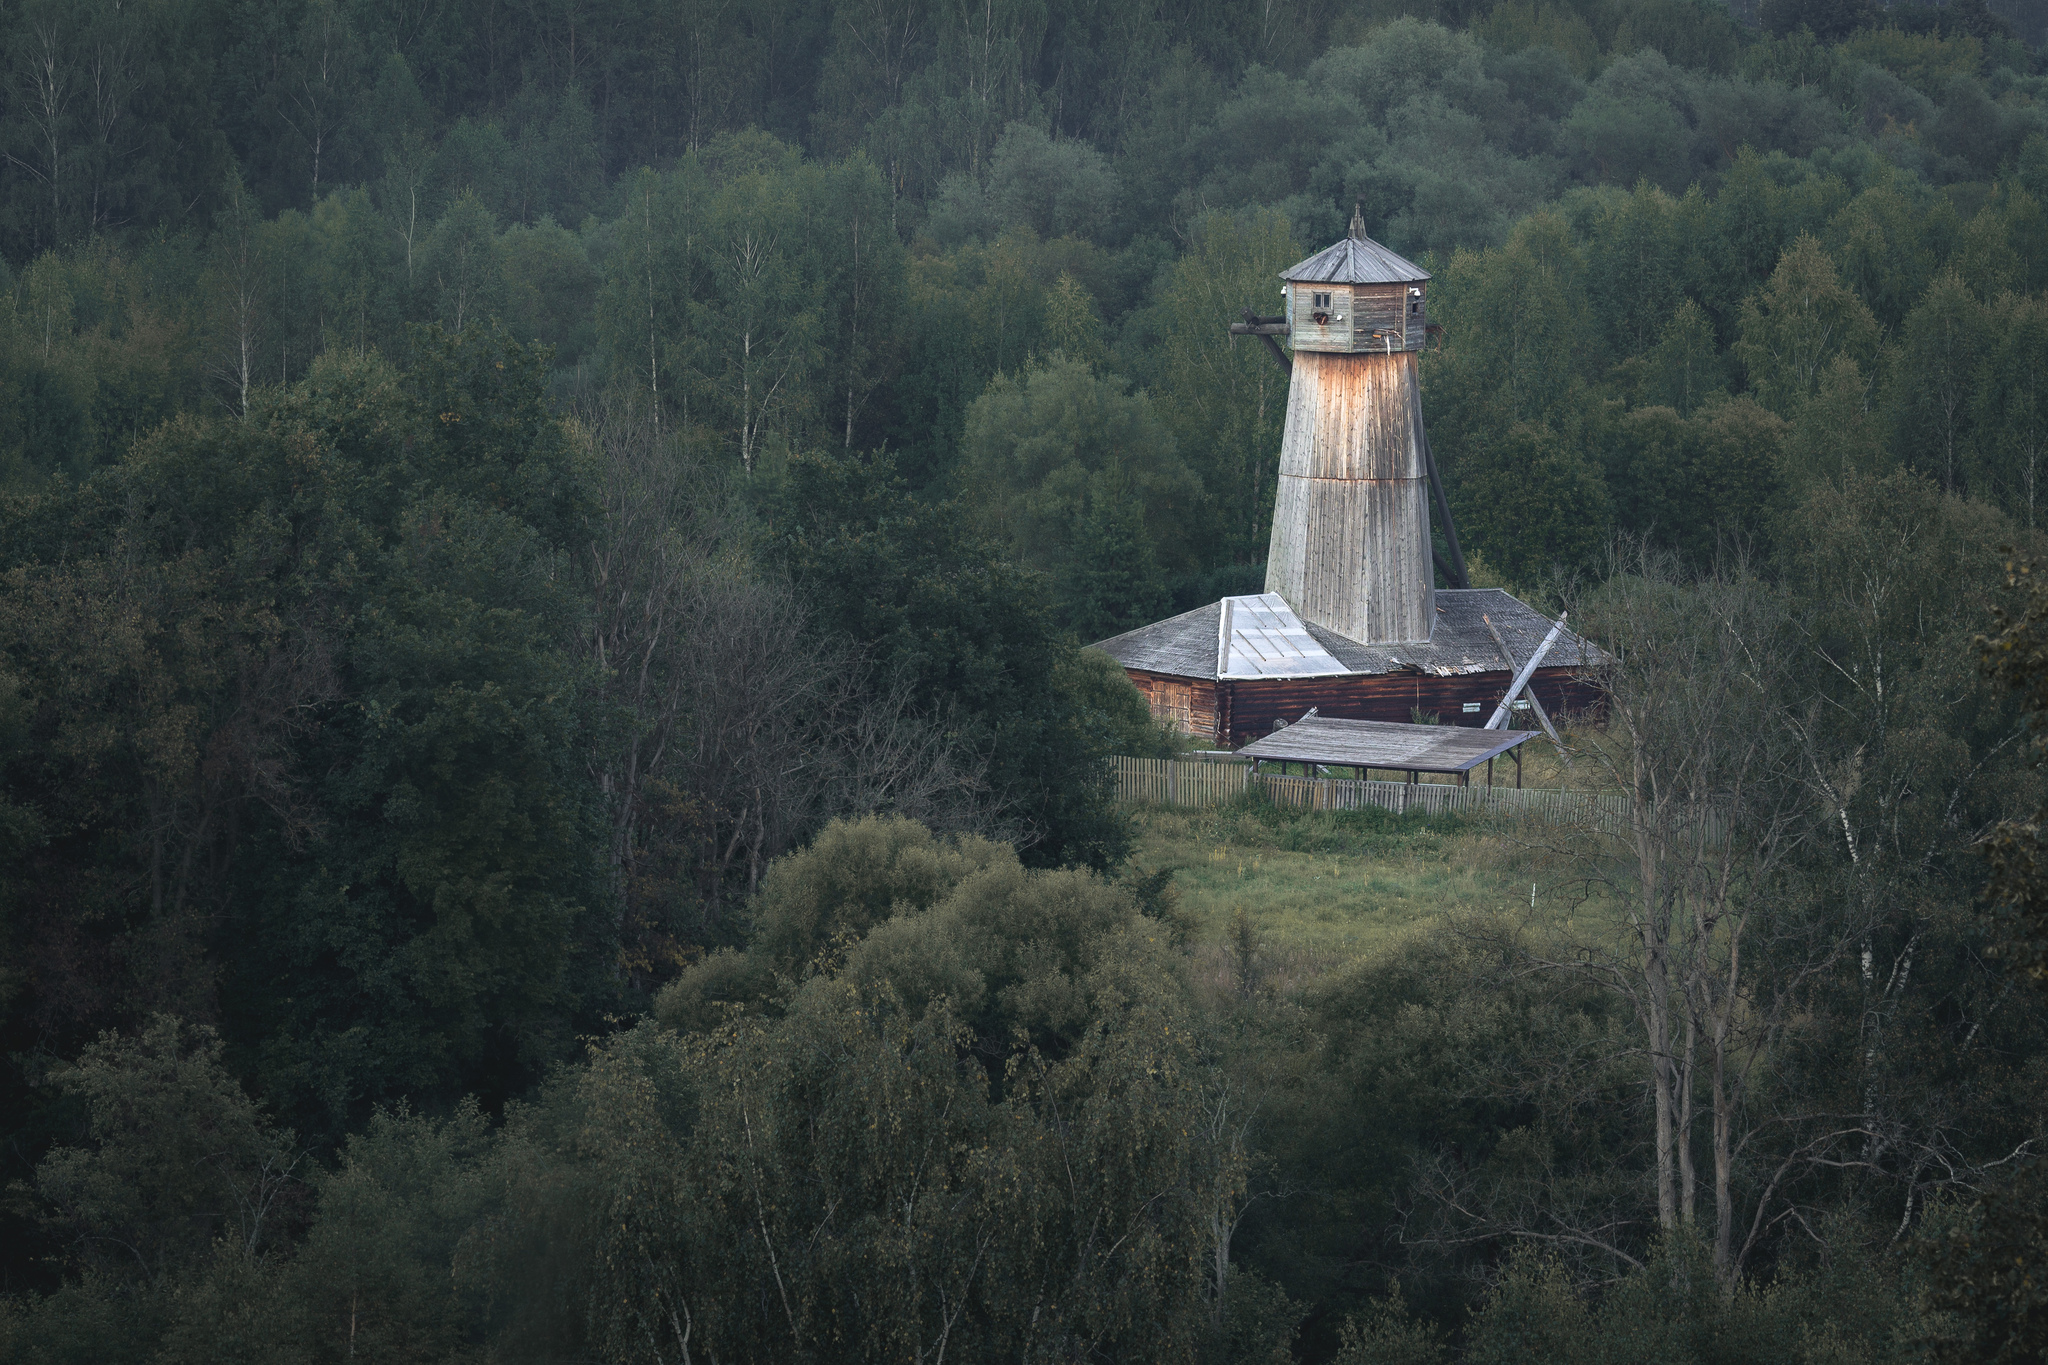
(1364,319)
(1379,318)
(1304,333)
(1231,713)
(1255,705)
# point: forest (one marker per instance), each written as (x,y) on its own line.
(554,800)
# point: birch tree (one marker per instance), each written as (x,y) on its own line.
(1697,674)
(239,274)
(864,303)
(43,86)
(761,323)
(320,84)
(1793,327)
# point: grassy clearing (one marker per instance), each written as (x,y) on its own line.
(1324,888)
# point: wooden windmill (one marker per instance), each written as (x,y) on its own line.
(1351,626)
(1351,548)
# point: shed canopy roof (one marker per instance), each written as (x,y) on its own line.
(1193,644)
(1355,260)
(1385,744)
(1261,637)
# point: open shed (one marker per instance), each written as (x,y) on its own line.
(1391,746)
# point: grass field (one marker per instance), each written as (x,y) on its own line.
(1322,889)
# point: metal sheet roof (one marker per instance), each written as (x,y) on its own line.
(1261,637)
(1355,260)
(1385,744)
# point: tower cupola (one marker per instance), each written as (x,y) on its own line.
(1356,296)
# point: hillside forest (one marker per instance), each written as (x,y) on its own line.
(554,803)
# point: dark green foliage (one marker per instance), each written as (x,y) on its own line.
(969,632)
(1068,1171)
(1536,505)
(1828,20)
(343,795)
(1986,1259)
(2017,658)
(1114,707)
(852,878)
(174,1158)
(439,585)
(1080,480)
(1109,581)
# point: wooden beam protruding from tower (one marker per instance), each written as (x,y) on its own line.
(1266,329)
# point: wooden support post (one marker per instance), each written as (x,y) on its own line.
(1518,767)
(1455,570)
(1534,701)
(1489,770)
(1265,330)
(1500,713)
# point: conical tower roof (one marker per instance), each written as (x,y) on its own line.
(1358,259)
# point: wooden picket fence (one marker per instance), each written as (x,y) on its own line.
(1165,782)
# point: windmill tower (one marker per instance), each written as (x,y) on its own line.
(1351,550)
(1351,626)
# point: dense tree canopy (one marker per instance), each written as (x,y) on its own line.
(553,793)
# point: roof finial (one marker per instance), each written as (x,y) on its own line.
(1357,221)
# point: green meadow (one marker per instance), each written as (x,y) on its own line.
(1321,889)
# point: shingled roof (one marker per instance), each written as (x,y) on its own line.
(1189,645)
(1355,260)
(1385,744)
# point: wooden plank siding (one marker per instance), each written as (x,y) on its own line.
(1350,546)
(1379,318)
(1190,704)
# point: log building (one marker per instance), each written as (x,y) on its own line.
(1219,674)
